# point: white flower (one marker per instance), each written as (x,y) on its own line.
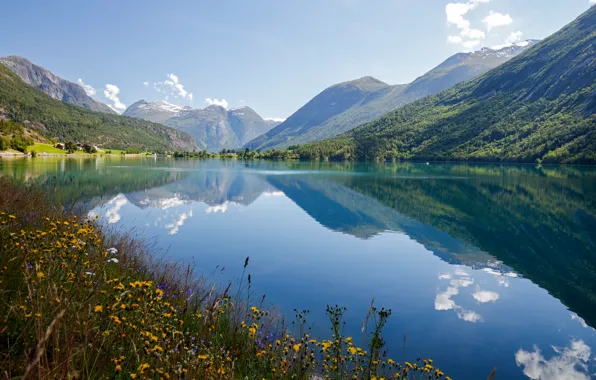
(89,273)
(112,251)
(113,260)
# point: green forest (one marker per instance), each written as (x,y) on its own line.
(59,121)
(538,107)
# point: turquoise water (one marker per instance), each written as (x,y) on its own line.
(483,266)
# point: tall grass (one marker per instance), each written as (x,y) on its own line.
(77,303)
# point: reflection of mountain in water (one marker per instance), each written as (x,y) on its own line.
(541,223)
(90,182)
(342,209)
(215,188)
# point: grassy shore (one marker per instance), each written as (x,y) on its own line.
(78,303)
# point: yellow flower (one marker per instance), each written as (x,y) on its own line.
(202,357)
(390,362)
(296,347)
(40,275)
(352,350)
(133,375)
(143,367)
(326,344)
(157,348)
(98,309)
(118,368)
(12,216)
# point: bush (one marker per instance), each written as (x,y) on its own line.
(20,143)
(4,143)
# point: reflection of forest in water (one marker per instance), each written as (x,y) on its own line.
(538,221)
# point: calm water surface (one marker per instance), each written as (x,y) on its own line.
(483,265)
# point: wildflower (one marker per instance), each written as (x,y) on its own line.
(296,347)
(202,357)
(390,362)
(12,216)
(118,368)
(98,309)
(143,367)
(352,350)
(40,275)
(113,260)
(157,348)
(133,375)
(112,251)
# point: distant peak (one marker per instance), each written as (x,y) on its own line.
(366,83)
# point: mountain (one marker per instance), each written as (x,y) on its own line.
(538,106)
(214,128)
(345,106)
(157,112)
(53,85)
(60,121)
(272,122)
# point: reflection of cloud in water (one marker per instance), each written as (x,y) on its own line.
(568,363)
(485,296)
(443,299)
(175,227)
(220,208)
(112,214)
(469,316)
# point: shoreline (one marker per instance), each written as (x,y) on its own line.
(68,281)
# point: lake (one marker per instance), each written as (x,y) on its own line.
(483,265)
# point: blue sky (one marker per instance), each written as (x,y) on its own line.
(273,55)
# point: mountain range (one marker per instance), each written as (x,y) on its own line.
(213,128)
(53,85)
(538,107)
(347,105)
(63,121)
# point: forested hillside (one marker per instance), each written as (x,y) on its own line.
(54,119)
(538,106)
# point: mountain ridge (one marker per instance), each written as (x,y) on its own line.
(367,98)
(213,127)
(53,85)
(62,121)
(537,107)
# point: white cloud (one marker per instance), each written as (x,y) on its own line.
(592,1)
(111,92)
(455,40)
(496,19)
(88,88)
(277,119)
(514,37)
(569,363)
(218,102)
(459,279)
(145,84)
(172,87)
(456,12)
(485,296)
